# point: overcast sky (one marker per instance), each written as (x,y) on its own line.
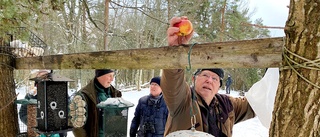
(273,13)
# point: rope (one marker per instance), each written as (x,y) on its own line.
(26,78)
(9,102)
(189,54)
(3,64)
(308,64)
(193,97)
(7,54)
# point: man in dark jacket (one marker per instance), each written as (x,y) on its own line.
(200,107)
(228,84)
(151,113)
(99,89)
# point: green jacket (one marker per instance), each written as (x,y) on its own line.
(177,94)
(90,129)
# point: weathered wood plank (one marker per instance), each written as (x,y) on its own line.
(257,53)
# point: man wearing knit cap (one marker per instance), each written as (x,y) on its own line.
(99,89)
(151,113)
(200,107)
(104,77)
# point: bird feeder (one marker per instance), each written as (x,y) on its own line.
(115,116)
(52,103)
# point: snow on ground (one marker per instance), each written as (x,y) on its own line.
(248,128)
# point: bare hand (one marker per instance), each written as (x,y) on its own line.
(173,38)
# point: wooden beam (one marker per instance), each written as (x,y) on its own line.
(256,53)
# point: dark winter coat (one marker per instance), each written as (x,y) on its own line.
(91,128)
(218,118)
(149,118)
(228,82)
(23,112)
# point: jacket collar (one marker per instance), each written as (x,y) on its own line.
(89,90)
(98,84)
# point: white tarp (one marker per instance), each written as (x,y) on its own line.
(262,94)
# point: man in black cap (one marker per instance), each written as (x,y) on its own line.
(99,89)
(201,106)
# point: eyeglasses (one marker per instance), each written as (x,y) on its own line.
(205,75)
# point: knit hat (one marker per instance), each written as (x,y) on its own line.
(100,72)
(156,80)
(218,71)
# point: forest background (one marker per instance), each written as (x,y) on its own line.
(79,26)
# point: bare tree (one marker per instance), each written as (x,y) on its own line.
(106,21)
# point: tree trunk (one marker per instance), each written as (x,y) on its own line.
(8,109)
(223,10)
(106,21)
(139,79)
(297,112)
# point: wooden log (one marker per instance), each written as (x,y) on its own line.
(256,53)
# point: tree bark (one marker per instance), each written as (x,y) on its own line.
(8,108)
(297,112)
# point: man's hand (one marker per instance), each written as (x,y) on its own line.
(173,38)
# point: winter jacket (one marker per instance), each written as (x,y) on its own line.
(23,112)
(228,82)
(91,128)
(217,119)
(149,118)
